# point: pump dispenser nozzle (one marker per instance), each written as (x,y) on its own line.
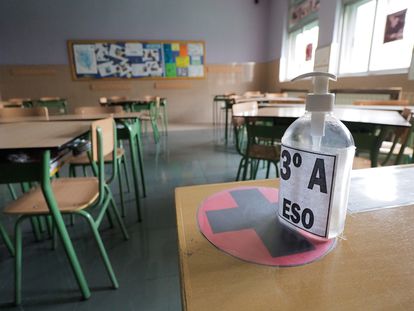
(319,102)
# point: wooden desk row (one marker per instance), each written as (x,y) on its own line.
(370,268)
(38,140)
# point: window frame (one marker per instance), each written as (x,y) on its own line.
(341,50)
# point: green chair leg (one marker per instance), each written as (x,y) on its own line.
(119,219)
(7,240)
(18,262)
(121,192)
(101,247)
(12,191)
(36,228)
(124,164)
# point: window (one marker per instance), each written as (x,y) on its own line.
(301,50)
(377,36)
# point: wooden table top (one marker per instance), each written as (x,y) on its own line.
(40,135)
(271,99)
(73,117)
(379,117)
(370,268)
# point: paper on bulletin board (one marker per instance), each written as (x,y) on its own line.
(134,49)
(182,62)
(195,71)
(195,49)
(175,46)
(85,59)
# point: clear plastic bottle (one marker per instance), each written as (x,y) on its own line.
(319,182)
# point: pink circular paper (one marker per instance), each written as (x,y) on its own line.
(236,238)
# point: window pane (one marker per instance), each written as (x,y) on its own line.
(393,36)
(356,39)
(302,46)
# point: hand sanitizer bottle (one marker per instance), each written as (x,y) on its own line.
(315,165)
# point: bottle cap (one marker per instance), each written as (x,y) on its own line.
(320,100)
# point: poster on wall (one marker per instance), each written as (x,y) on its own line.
(394,26)
(302,10)
(136,59)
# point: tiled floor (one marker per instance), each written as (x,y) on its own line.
(147,264)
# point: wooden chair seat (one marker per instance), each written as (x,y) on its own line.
(72,194)
(360,163)
(83,158)
(264,152)
(386,147)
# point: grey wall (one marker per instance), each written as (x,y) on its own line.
(35,32)
(277,27)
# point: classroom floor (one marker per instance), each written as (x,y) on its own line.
(147,264)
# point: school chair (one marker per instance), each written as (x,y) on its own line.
(17,112)
(395,150)
(83,161)
(76,196)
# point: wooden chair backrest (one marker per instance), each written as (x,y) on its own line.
(245,108)
(49,98)
(18,101)
(252,93)
(15,112)
(402,102)
(107,128)
(275,95)
(91,110)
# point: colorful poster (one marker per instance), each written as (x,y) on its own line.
(137,59)
(170,70)
(394,27)
(175,46)
(182,62)
(183,50)
(195,49)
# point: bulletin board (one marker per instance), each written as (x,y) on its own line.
(137,59)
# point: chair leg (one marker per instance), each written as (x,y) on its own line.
(118,218)
(241,164)
(101,247)
(268,169)
(155,131)
(18,262)
(124,164)
(7,240)
(121,192)
(36,228)
(12,191)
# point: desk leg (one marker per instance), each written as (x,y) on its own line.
(376,147)
(132,132)
(140,157)
(61,228)
(226,122)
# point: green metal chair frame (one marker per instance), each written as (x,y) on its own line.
(263,143)
(120,158)
(53,103)
(104,201)
(6,240)
(152,107)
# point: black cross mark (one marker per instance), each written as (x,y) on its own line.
(256,212)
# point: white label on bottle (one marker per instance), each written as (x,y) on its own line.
(306,188)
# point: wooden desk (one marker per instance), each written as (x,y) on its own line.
(370,268)
(363,124)
(129,131)
(271,99)
(230,100)
(41,141)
